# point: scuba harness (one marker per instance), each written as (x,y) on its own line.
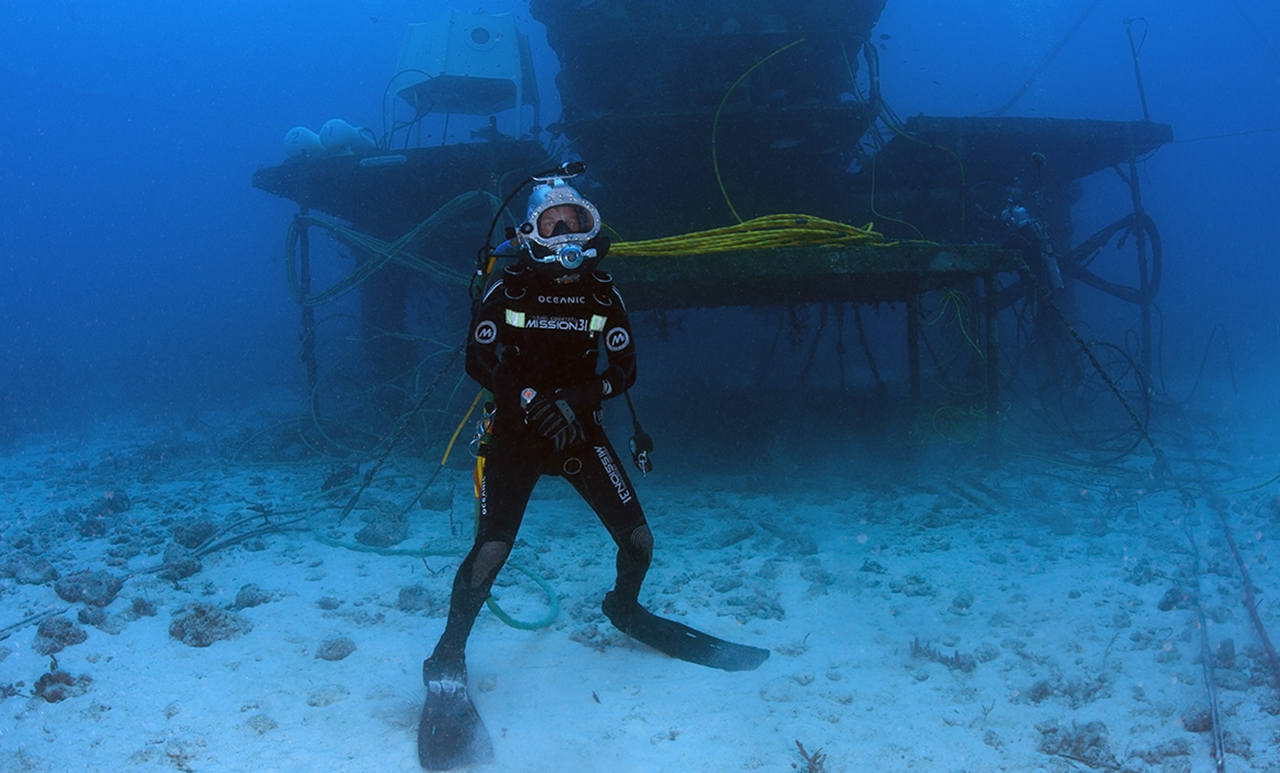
(569,243)
(570,256)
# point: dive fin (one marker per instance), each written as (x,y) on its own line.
(679,640)
(451,733)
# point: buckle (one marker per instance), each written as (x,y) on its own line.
(641,445)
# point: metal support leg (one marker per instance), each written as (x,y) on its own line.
(308,316)
(992,351)
(1144,278)
(913,345)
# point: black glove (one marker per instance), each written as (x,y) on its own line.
(552,418)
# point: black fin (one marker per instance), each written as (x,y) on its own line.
(679,640)
(451,733)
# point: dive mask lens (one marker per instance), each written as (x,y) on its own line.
(560,226)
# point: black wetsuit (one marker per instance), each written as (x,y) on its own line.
(532,332)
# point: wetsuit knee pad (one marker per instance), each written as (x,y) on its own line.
(635,552)
(642,538)
(488,560)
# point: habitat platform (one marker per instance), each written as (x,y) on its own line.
(950,177)
(889,273)
(1005,149)
(388,192)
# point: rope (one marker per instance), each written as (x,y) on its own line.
(715,124)
(895,125)
(319,533)
(402,251)
(395,436)
(1250,602)
(380,253)
(768,232)
(1048,58)
(1162,471)
(553,603)
(1206,655)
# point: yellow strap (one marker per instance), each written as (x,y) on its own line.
(461,424)
(479,474)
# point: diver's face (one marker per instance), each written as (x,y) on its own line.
(553,216)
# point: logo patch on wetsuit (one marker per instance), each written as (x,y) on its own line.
(556,323)
(617,339)
(615,477)
(486,332)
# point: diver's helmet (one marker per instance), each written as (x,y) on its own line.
(559,227)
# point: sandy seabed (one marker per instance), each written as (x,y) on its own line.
(954,616)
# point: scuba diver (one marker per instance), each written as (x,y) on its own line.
(1030,236)
(1040,285)
(538,338)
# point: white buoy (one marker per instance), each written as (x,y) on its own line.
(300,141)
(338,136)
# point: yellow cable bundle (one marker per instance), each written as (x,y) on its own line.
(768,232)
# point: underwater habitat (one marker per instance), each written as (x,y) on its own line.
(640,386)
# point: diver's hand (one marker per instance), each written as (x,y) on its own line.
(552,418)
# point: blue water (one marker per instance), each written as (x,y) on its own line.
(141,269)
(142,276)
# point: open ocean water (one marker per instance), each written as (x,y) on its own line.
(1085,581)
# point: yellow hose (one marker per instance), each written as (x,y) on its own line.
(768,232)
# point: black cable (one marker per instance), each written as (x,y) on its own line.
(389,135)
(1074,264)
(1254,26)
(401,424)
(1206,656)
(567,169)
(1161,468)
(1135,49)
(1048,58)
(1204,361)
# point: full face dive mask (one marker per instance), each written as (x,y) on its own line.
(558,225)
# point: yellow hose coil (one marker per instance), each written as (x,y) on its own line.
(768,232)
